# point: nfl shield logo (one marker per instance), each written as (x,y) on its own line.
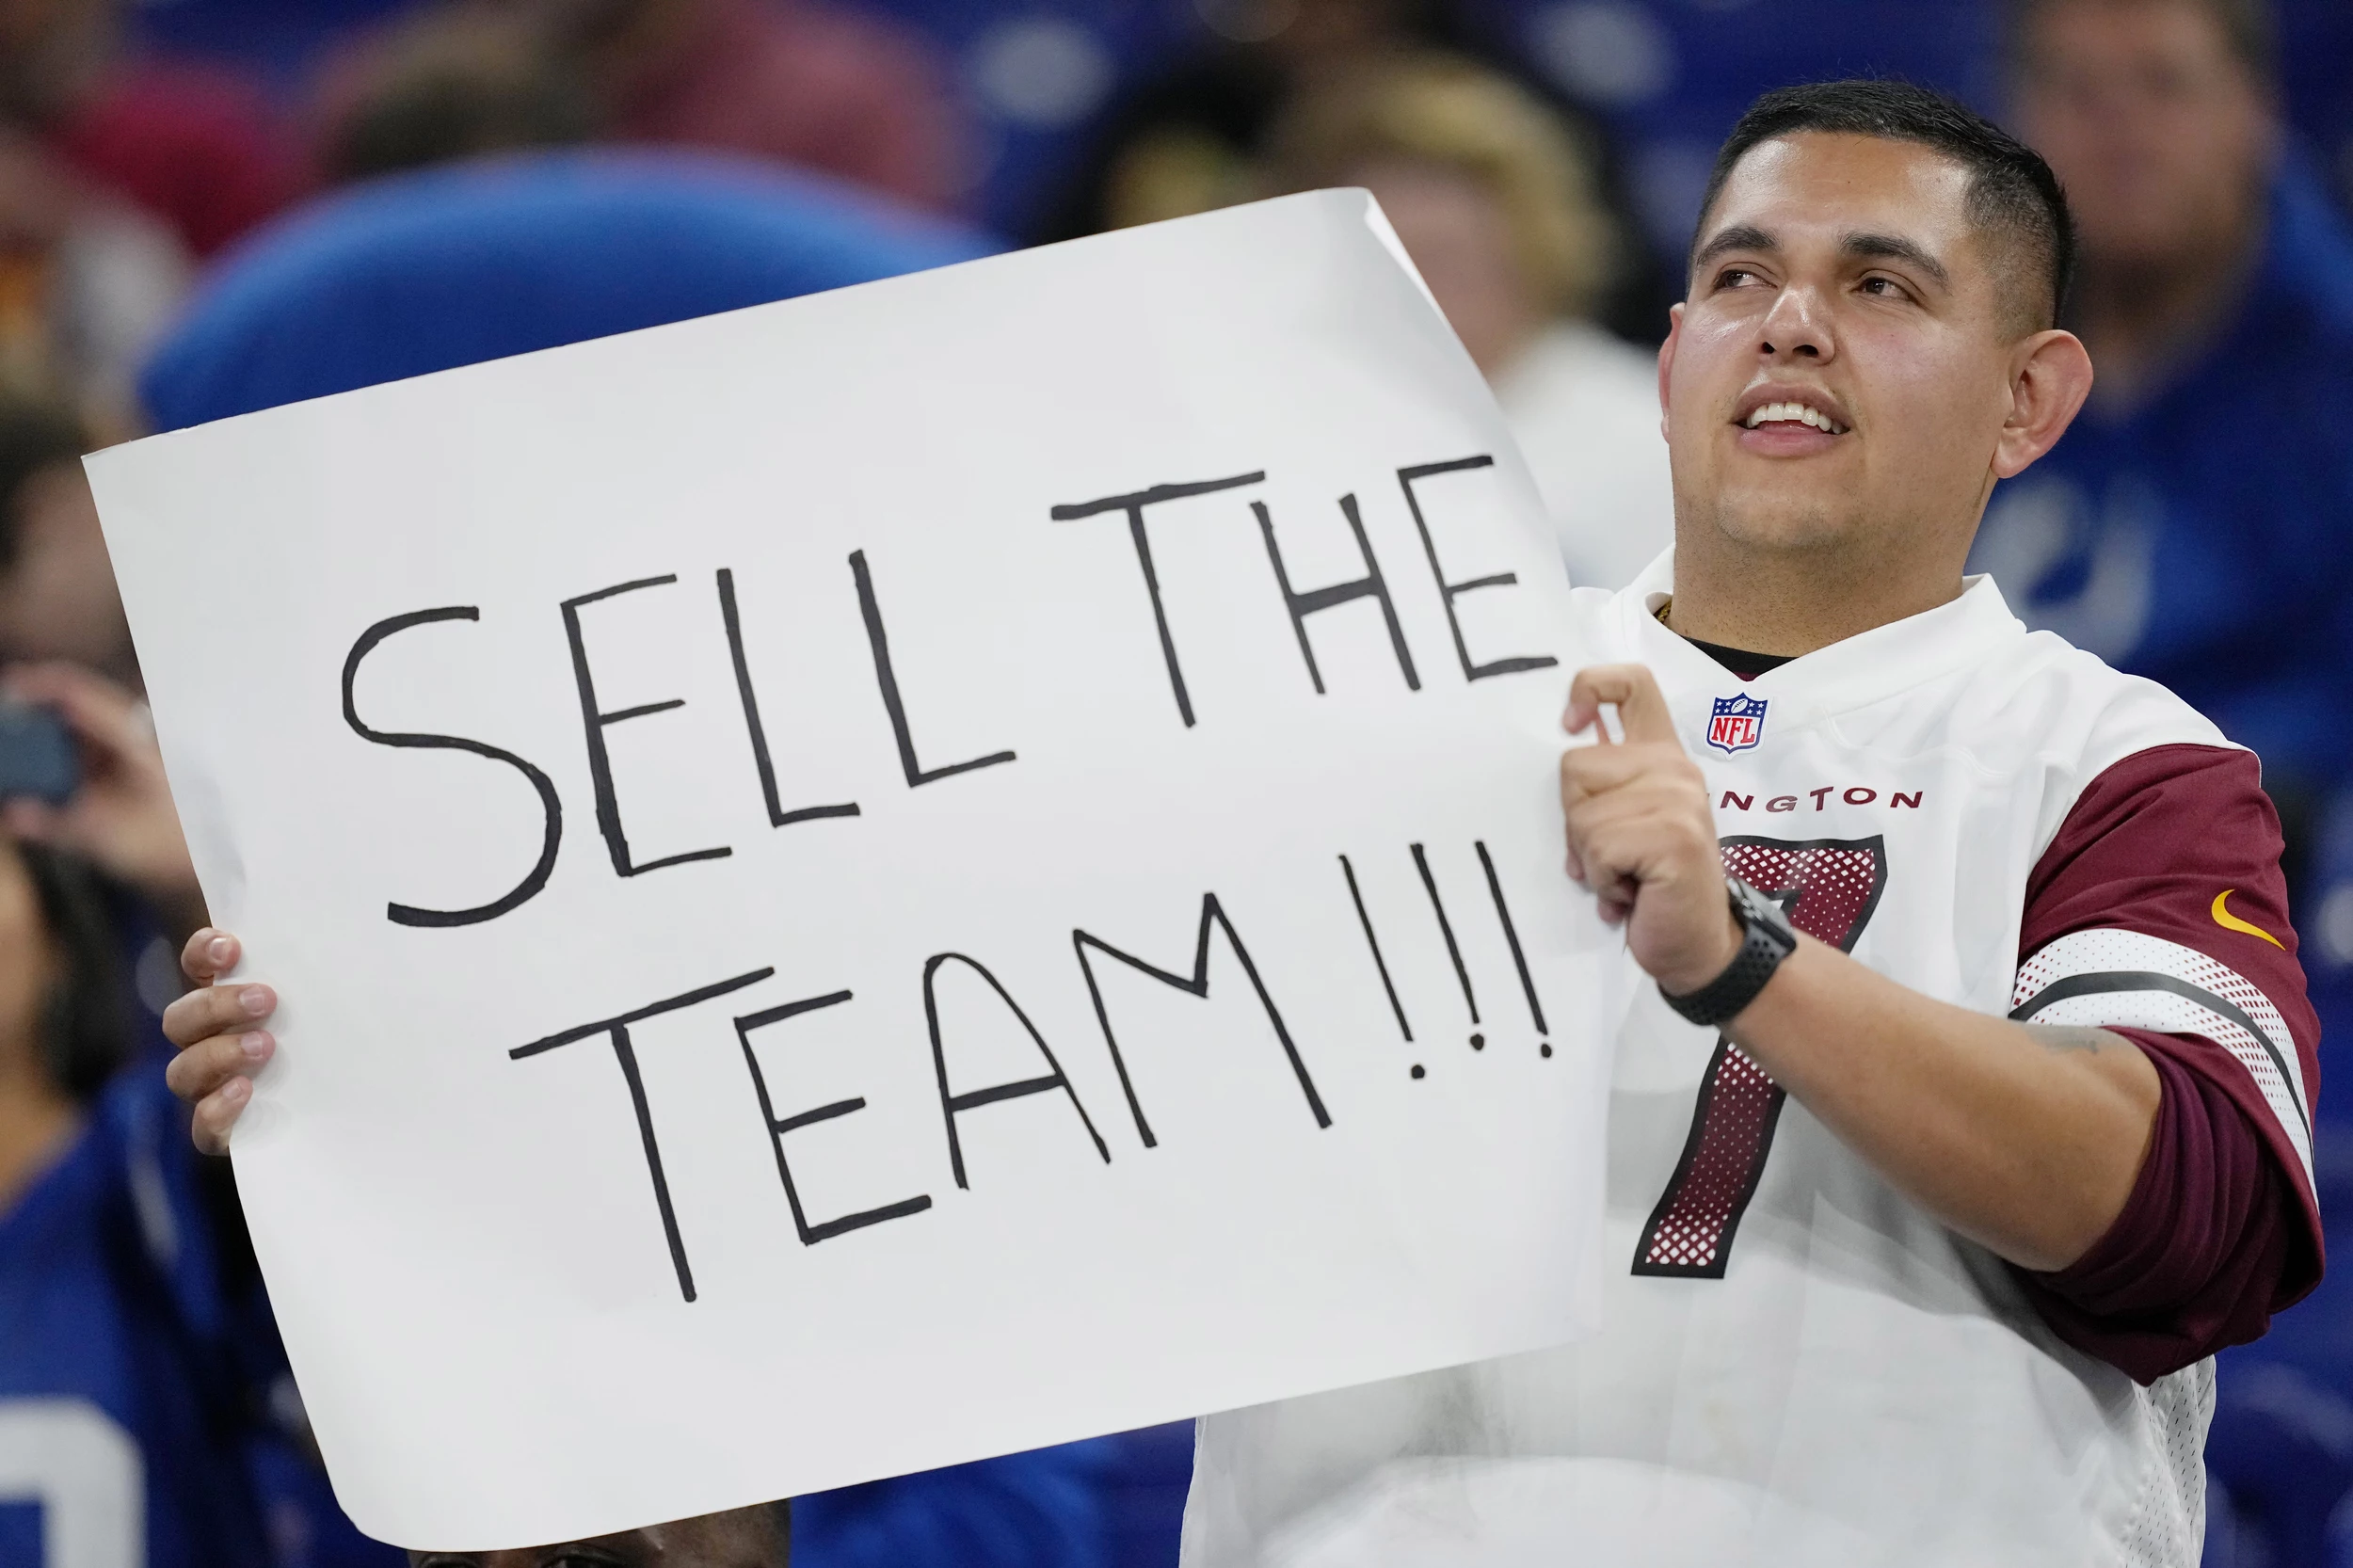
(1737,723)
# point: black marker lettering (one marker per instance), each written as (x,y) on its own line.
(1374,943)
(1449,592)
(1371,585)
(1212,913)
(1512,936)
(617,1030)
(879,641)
(1446,929)
(550,808)
(827,1229)
(1133,507)
(777,815)
(595,723)
(955,1105)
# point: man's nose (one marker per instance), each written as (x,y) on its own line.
(1797,327)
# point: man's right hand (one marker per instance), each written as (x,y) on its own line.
(222,1042)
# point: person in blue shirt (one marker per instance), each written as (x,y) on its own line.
(1037,1511)
(146,1412)
(2195,525)
(126,1433)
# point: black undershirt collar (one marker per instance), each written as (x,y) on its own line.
(1747,666)
(1739,661)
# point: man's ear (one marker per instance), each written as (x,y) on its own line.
(1667,359)
(2050,376)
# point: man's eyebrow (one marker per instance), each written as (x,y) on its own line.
(1740,236)
(1895,248)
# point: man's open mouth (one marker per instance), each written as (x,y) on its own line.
(1792,413)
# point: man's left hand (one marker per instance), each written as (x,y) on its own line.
(1641,832)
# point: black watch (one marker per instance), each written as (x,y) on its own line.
(1767,939)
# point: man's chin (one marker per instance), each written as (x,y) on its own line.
(1788,526)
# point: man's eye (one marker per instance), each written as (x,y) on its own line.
(1884,287)
(1734,277)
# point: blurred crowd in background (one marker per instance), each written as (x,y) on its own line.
(211,206)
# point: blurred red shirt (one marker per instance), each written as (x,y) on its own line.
(196,146)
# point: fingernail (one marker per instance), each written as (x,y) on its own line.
(254,1000)
(235,1090)
(219,950)
(255,1044)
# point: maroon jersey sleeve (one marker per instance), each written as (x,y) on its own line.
(2159,913)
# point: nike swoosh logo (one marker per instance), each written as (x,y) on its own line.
(2229,921)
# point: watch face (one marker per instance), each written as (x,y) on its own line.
(1757,909)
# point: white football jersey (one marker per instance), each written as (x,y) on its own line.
(1798,1364)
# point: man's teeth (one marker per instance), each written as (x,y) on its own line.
(1794,413)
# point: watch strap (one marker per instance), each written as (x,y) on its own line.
(1763,943)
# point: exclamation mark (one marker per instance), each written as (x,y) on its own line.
(1445,928)
(1379,963)
(1511,934)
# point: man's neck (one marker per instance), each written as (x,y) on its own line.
(2144,319)
(1792,604)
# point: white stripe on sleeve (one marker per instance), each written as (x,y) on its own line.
(2128,979)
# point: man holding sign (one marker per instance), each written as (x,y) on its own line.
(1947,1149)
(1951,1300)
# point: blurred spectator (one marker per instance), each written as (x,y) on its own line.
(64,1025)
(446,83)
(145,1412)
(120,1408)
(194,144)
(1194,139)
(2327,926)
(87,285)
(451,266)
(1038,1509)
(2193,524)
(1022,1511)
(794,80)
(797,81)
(119,817)
(58,598)
(1497,204)
(1191,140)
(754,1537)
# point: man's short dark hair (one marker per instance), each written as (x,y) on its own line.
(2013,195)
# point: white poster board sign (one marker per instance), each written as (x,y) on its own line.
(888,878)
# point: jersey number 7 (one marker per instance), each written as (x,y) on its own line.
(1830,887)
